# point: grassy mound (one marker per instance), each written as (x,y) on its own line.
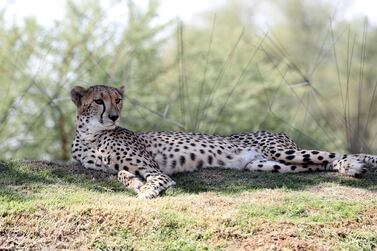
(63,206)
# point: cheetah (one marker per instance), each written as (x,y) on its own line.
(143,161)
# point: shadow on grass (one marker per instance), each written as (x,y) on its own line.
(33,175)
(19,179)
(233,181)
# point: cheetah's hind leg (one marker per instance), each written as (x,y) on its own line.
(131,181)
(350,166)
(356,164)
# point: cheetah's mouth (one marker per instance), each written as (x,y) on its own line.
(108,125)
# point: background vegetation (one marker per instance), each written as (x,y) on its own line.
(310,74)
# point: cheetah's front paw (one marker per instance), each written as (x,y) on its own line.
(149,194)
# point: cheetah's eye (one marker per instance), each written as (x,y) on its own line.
(117,101)
(98,101)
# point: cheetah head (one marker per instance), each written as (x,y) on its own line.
(98,107)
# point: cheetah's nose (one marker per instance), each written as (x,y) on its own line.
(113,117)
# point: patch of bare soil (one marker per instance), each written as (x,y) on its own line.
(62,229)
(280,237)
(300,237)
(344,192)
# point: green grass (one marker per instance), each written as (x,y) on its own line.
(61,205)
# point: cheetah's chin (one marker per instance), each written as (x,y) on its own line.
(108,125)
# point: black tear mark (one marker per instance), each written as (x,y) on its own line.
(104,109)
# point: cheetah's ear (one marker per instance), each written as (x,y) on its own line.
(77,93)
(121,90)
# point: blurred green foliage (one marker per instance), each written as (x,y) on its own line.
(311,74)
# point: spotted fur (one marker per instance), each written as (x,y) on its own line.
(144,161)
